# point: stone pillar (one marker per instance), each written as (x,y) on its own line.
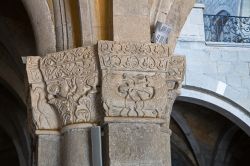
(63,100)
(43,119)
(48,149)
(76,146)
(140,82)
(131,20)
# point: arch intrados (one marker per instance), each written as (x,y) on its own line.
(223,13)
(40,16)
(12,132)
(218,109)
(178,118)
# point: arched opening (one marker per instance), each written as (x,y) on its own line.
(202,137)
(220,21)
(8,153)
(223,13)
(16,40)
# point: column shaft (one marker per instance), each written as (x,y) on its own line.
(135,144)
(48,150)
(76,147)
(131,20)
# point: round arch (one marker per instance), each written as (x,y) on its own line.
(43,26)
(224,106)
(12,121)
(222,10)
(223,13)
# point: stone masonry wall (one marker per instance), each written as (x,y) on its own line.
(224,63)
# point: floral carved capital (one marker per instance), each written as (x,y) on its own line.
(139,80)
(63,88)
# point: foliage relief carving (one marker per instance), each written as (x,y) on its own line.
(69,80)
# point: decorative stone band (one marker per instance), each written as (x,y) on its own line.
(63,88)
(139,80)
(127,56)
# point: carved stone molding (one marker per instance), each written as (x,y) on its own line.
(63,88)
(139,80)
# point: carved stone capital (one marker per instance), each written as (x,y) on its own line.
(63,88)
(139,80)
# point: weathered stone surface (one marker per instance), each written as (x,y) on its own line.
(131,7)
(139,79)
(131,20)
(176,18)
(43,116)
(76,147)
(63,99)
(63,86)
(48,150)
(88,20)
(131,144)
(140,82)
(135,29)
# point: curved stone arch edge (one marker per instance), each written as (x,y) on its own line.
(185,128)
(12,131)
(222,105)
(42,24)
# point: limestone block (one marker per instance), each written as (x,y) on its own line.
(48,151)
(139,79)
(87,20)
(193,29)
(63,88)
(245,83)
(131,7)
(133,144)
(224,67)
(231,56)
(131,20)
(243,57)
(131,28)
(43,115)
(76,147)
(233,81)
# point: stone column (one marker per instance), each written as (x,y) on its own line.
(64,100)
(43,119)
(48,148)
(131,20)
(140,81)
(76,146)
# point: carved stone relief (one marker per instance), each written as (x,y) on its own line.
(139,79)
(67,82)
(43,116)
